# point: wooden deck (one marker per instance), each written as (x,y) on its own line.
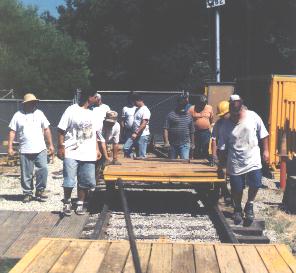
(21,230)
(70,255)
(196,171)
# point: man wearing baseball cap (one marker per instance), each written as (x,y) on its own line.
(31,125)
(109,133)
(100,108)
(239,144)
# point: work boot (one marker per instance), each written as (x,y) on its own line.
(41,196)
(80,210)
(237,216)
(249,213)
(27,198)
(67,209)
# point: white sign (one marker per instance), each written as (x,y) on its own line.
(215,3)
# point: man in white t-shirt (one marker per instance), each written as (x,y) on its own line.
(108,134)
(239,143)
(100,108)
(140,135)
(31,125)
(127,118)
(78,148)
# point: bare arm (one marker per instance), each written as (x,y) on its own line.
(166,136)
(214,148)
(264,142)
(11,137)
(104,150)
(61,146)
(47,134)
(115,151)
(141,129)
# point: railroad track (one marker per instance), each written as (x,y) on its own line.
(194,225)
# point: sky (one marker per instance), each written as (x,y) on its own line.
(44,5)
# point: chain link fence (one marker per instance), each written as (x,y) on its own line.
(159,103)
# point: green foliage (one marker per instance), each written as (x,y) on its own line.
(138,44)
(35,56)
(169,44)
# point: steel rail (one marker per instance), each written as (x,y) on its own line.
(129,227)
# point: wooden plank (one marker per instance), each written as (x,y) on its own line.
(69,227)
(272,259)
(144,250)
(30,256)
(47,257)
(183,259)
(68,261)
(13,227)
(287,256)
(4,214)
(161,258)
(164,173)
(227,259)
(205,259)
(92,258)
(250,259)
(39,227)
(115,258)
(164,179)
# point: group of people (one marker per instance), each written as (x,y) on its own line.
(87,127)
(84,132)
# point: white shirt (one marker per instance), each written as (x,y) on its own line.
(128,116)
(141,114)
(29,129)
(80,126)
(109,134)
(241,142)
(100,112)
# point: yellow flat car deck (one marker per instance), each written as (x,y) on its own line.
(79,256)
(197,171)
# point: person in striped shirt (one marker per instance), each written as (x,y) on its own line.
(178,131)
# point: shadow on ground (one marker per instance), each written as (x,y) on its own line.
(149,202)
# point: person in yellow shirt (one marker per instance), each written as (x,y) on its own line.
(202,115)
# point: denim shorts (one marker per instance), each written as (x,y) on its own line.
(252,179)
(83,170)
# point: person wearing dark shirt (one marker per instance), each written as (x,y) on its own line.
(178,131)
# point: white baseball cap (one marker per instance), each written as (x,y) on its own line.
(234,97)
(98,95)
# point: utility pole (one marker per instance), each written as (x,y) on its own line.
(216,5)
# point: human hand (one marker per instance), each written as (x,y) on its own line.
(99,155)
(266,156)
(166,145)
(134,136)
(192,146)
(61,152)
(51,149)
(10,151)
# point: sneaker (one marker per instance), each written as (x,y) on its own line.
(67,209)
(238,216)
(80,210)
(249,213)
(41,196)
(27,198)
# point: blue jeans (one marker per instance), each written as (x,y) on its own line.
(202,141)
(252,179)
(139,143)
(179,150)
(28,161)
(83,170)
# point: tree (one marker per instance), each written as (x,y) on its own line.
(138,44)
(35,56)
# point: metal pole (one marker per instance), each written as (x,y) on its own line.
(218,66)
